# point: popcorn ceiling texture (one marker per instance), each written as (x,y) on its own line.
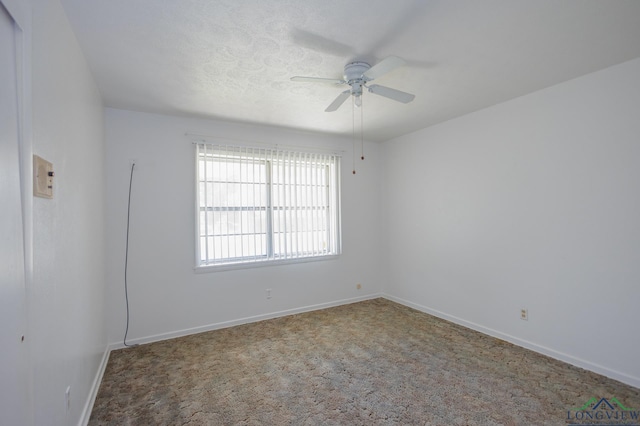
(232,60)
(374,362)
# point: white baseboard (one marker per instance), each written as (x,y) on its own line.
(596,368)
(93,392)
(232,323)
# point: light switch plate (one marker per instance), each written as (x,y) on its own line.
(42,178)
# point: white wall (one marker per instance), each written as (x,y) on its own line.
(166,296)
(66,297)
(533,203)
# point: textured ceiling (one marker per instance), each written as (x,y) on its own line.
(232,59)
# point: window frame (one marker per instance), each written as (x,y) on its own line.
(270,156)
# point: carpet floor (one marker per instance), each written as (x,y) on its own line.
(367,363)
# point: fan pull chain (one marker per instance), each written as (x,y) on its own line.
(362,129)
(353,131)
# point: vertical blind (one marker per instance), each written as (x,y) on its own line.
(257,204)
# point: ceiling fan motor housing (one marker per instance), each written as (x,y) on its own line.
(353,75)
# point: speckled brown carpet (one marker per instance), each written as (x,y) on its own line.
(374,362)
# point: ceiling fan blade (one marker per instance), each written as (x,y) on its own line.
(309,40)
(381,68)
(317,80)
(338,101)
(390,93)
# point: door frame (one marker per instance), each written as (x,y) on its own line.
(20,12)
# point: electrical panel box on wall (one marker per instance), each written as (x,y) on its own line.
(42,178)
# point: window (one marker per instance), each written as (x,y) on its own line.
(265,205)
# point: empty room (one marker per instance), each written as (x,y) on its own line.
(320,212)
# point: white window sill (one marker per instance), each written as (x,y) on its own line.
(205,269)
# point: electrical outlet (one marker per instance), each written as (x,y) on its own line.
(268,293)
(358,286)
(524,314)
(67,398)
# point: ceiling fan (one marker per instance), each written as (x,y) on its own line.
(358,75)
